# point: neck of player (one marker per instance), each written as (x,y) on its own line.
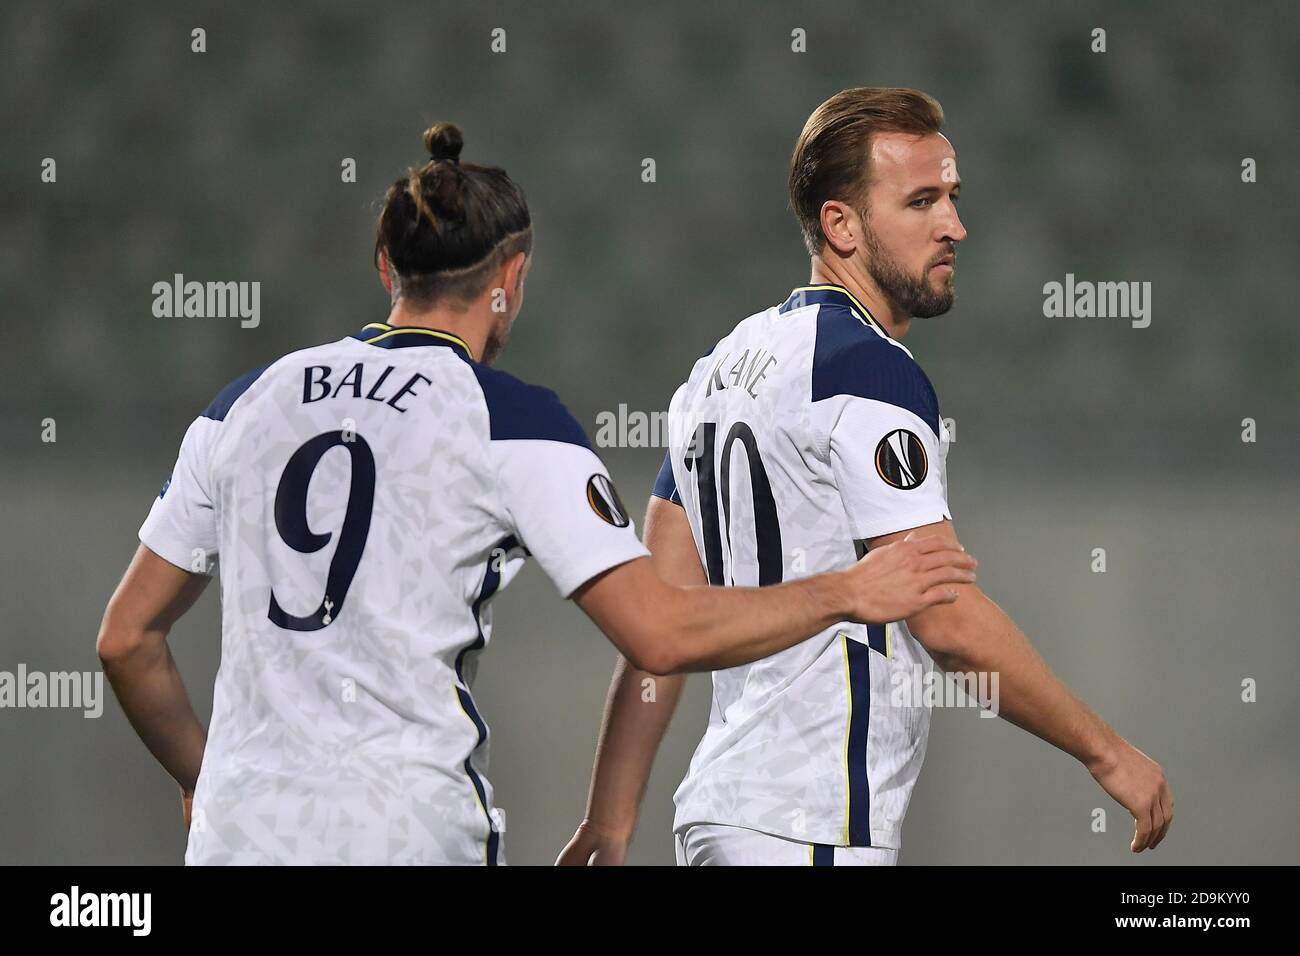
(862,287)
(470,324)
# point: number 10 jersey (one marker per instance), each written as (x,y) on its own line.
(804,433)
(366,498)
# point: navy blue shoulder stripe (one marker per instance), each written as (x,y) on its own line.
(519,410)
(227,397)
(666,484)
(852,359)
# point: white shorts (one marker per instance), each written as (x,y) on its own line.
(712,844)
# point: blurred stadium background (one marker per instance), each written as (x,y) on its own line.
(1073,434)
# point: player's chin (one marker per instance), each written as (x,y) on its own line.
(939,301)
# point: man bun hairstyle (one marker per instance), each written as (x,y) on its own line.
(831,156)
(447,226)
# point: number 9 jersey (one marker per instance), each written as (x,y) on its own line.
(365,499)
(804,433)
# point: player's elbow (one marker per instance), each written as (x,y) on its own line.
(658,644)
(947,635)
(116,646)
(117,641)
(655,653)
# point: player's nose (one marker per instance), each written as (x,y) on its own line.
(952,229)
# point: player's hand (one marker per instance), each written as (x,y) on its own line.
(1138,783)
(897,580)
(187,806)
(592,846)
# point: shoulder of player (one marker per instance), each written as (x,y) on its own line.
(219,408)
(518,410)
(852,358)
(703,366)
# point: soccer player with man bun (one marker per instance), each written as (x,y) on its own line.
(367,497)
(808,435)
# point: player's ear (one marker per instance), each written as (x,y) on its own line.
(515,269)
(381,262)
(841,226)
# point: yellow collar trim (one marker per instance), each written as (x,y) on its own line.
(402,329)
(831,287)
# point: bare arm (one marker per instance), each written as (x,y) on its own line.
(974,634)
(664,628)
(634,721)
(132,646)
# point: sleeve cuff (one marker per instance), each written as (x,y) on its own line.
(901,522)
(580,573)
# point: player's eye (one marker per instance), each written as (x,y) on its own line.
(920,203)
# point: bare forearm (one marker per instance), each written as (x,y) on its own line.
(716,628)
(637,712)
(978,636)
(669,626)
(153,696)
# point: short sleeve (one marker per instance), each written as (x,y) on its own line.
(888,466)
(884,438)
(560,499)
(666,483)
(181,527)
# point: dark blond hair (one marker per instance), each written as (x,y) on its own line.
(830,157)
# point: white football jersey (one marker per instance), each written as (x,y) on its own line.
(805,432)
(367,498)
